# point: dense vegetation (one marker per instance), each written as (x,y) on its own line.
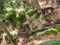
(27,14)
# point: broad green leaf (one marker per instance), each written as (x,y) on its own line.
(52,31)
(41,33)
(48,31)
(51,42)
(58,28)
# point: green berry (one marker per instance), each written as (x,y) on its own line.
(21,12)
(30,12)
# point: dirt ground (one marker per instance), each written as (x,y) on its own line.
(36,40)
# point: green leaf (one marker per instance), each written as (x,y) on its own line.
(51,42)
(41,33)
(52,31)
(58,28)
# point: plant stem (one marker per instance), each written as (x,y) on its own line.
(7,32)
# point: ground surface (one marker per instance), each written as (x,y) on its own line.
(36,40)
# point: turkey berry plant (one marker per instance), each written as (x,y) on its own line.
(21,17)
(18,18)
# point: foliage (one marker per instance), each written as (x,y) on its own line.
(41,33)
(58,28)
(51,42)
(48,31)
(52,31)
(23,16)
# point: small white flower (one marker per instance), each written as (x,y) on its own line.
(30,21)
(42,20)
(39,22)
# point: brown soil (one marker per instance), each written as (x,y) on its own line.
(36,40)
